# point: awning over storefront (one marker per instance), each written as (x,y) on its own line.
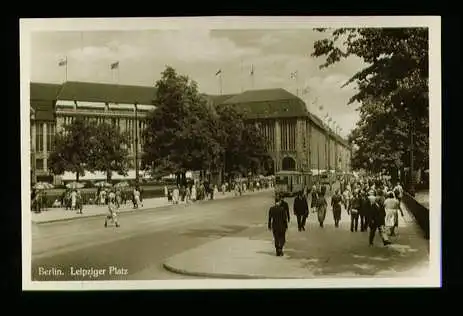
(98,175)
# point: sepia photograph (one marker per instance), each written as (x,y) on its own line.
(230,152)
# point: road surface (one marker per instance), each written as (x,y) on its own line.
(144,240)
(139,248)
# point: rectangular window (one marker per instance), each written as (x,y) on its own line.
(39,164)
(50,136)
(39,137)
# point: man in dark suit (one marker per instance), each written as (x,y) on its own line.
(301,210)
(278,220)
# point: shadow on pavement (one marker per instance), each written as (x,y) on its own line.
(222,231)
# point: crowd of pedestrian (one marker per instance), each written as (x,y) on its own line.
(372,202)
(203,190)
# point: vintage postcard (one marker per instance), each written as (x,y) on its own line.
(230,152)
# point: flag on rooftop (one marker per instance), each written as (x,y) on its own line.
(62,62)
(115,65)
(293,75)
(252,70)
(320,107)
(218,72)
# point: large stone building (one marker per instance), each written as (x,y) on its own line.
(297,140)
(52,106)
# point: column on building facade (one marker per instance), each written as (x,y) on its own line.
(300,157)
(277,145)
(59,123)
(33,136)
(45,149)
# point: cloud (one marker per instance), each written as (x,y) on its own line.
(197,45)
(198,53)
(269,40)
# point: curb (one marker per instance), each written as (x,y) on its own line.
(130,211)
(99,215)
(172,269)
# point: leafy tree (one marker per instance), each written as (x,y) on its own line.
(72,148)
(392,91)
(244,146)
(182,133)
(108,150)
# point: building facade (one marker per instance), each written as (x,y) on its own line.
(296,139)
(53,106)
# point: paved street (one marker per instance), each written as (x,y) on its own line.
(210,237)
(145,238)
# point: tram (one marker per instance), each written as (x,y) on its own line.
(288,183)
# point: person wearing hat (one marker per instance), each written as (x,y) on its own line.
(301,210)
(336,200)
(377,217)
(278,220)
(354,210)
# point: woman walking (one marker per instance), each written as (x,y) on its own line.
(313,202)
(193,193)
(112,212)
(336,200)
(392,207)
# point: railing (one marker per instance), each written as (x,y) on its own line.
(420,213)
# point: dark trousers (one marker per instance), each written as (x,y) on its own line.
(279,236)
(374,226)
(301,219)
(363,222)
(354,221)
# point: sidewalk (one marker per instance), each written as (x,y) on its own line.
(60,214)
(315,253)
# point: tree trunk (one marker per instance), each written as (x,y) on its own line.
(77,176)
(108,176)
(183,178)
(177,178)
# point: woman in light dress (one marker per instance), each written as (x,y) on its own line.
(73,200)
(392,208)
(112,211)
(193,193)
(175,195)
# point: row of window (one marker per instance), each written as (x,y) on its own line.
(122,123)
(45,136)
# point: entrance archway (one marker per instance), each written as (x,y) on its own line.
(288,163)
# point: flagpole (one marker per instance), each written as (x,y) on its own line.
(66,70)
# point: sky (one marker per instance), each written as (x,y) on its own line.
(199,54)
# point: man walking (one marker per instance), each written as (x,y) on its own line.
(301,210)
(354,209)
(278,220)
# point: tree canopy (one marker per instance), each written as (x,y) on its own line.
(245,147)
(108,150)
(185,133)
(181,134)
(392,92)
(72,148)
(84,145)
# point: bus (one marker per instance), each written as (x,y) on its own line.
(288,183)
